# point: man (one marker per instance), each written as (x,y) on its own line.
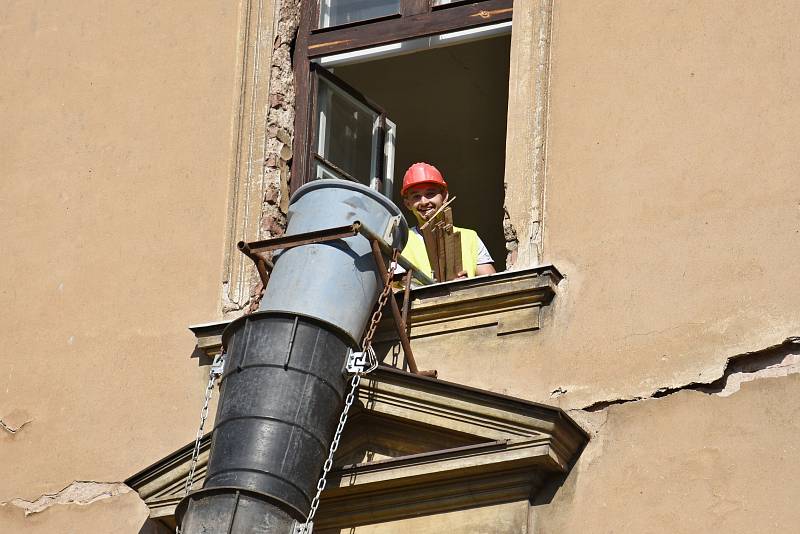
(425,191)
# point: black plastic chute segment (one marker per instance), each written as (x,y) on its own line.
(229,510)
(274,422)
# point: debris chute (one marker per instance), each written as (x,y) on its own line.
(283,384)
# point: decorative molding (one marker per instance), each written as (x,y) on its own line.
(474,448)
(510,302)
(248,185)
(162,484)
(526,136)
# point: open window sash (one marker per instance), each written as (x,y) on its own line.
(352,137)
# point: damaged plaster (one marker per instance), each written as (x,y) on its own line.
(279,135)
(778,360)
(510,236)
(259,191)
(78,492)
(14,421)
(526,139)
(280,121)
(11,428)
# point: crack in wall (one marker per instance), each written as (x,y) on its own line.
(78,492)
(10,428)
(511,239)
(778,360)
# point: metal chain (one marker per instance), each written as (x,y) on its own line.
(382,300)
(213,373)
(366,345)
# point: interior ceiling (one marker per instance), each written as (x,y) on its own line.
(450,107)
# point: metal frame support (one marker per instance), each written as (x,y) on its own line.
(399,323)
(255,250)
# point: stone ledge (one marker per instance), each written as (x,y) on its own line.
(510,302)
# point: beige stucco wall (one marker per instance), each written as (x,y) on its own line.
(671,205)
(687,463)
(671,201)
(116,150)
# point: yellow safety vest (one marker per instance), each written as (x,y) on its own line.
(416,253)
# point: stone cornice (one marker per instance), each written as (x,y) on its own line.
(509,302)
(490,449)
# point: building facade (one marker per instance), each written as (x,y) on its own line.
(631,164)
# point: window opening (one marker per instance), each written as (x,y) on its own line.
(448,103)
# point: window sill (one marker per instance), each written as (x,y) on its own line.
(509,302)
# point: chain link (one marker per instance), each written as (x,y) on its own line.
(382,300)
(215,372)
(366,345)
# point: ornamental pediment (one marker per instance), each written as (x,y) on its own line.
(414,446)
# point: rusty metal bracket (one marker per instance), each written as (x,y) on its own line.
(255,250)
(399,323)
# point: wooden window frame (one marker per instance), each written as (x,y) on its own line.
(417,18)
(313,154)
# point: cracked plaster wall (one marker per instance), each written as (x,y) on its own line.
(115,508)
(675,241)
(671,206)
(686,463)
(280,121)
(116,148)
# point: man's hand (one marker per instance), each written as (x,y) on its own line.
(460,275)
(485,268)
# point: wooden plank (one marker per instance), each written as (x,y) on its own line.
(457,251)
(441,250)
(437,213)
(451,256)
(447,215)
(430,248)
(450,249)
(376,33)
(452,245)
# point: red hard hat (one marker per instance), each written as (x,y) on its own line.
(422,173)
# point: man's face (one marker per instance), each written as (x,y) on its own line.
(424,199)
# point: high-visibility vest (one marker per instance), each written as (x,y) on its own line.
(416,253)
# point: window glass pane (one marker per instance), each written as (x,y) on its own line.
(337,12)
(324,171)
(347,132)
